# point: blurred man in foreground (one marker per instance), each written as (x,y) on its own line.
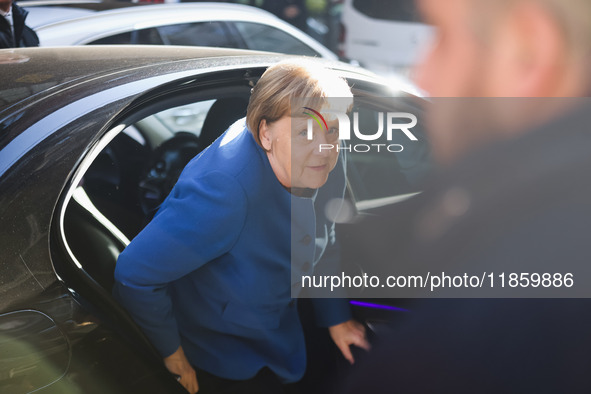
(514,193)
(13,31)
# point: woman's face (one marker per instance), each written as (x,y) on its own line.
(297,161)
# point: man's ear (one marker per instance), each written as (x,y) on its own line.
(537,52)
(265,135)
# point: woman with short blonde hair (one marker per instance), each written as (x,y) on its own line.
(289,81)
(209,278)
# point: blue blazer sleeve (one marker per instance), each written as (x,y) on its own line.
(200,220)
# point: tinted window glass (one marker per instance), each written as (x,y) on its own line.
(210,34)
(394,10)
(141,37)
(267,38)
(383,167)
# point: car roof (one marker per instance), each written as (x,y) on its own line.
(100,24)
(48,15)
(95,5)
(28,72)
(31,71)
(152,13)
(110,57)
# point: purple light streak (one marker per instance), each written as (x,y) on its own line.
(377,306)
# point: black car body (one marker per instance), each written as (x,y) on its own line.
(74,188)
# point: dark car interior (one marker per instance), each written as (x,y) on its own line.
(128,180)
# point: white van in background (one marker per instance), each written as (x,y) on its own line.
(384,36)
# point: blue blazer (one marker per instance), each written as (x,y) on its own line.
(212,271)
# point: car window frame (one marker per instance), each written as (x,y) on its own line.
(229,34)
(233,23)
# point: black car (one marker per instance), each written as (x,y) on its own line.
(91,141)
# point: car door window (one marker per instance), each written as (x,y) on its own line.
(211,34)
(131,176)
(135,37)
(267,38)
(187,118)
(382,169)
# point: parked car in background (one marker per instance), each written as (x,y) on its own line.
(86,155)
(385,37)
(47,15)
(194,24)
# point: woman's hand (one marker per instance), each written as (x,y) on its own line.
(349,333)
(178,364)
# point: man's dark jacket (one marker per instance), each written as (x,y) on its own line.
(24,35)
(525,206)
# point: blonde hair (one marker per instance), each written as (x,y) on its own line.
(289,80)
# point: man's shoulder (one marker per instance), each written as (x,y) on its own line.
(532,182)
(526,186)
(19,11)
